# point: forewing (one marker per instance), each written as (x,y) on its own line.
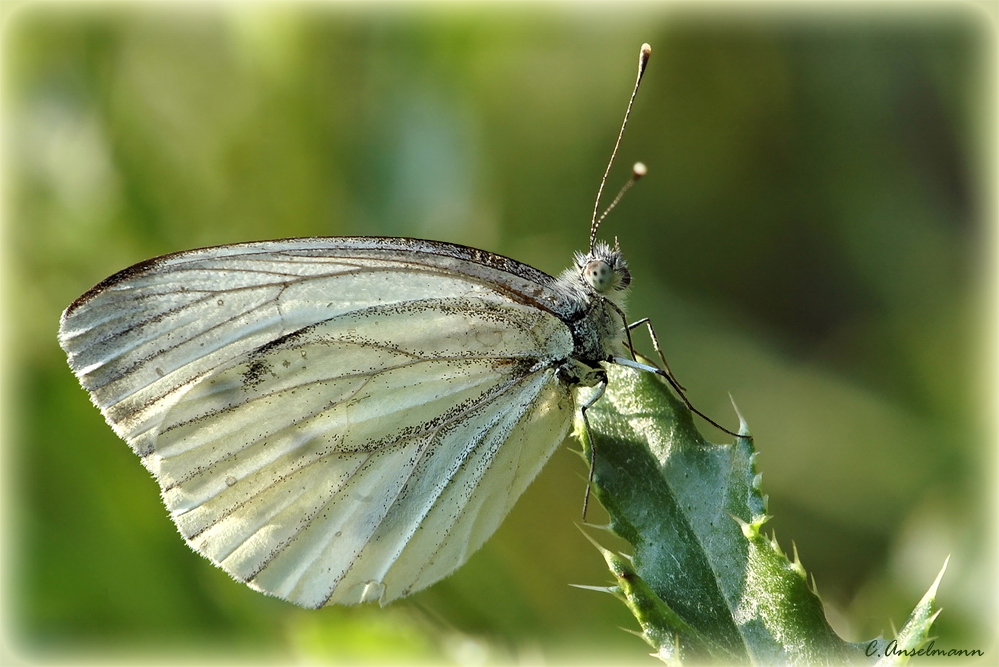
(363,456)
(141,337)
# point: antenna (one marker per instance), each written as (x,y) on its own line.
(637,171)
(643,60)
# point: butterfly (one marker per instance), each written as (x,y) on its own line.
(334,420)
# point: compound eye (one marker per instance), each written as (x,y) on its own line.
(599,275)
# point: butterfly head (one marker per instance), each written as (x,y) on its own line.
(604,269)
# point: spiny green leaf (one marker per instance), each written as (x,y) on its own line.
(915,633)
(662,628)
(693,512)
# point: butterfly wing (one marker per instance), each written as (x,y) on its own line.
(330,420)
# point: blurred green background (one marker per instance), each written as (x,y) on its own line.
(814,237)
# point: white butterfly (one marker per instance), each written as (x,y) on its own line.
(336,420)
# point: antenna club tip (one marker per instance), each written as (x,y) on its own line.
(639,169)
(643,58)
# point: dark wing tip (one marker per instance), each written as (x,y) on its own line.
(110,281)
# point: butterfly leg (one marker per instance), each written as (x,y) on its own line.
(655,343)
(676,386)
(601,388)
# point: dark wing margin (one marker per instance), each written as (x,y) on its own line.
(531,282)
